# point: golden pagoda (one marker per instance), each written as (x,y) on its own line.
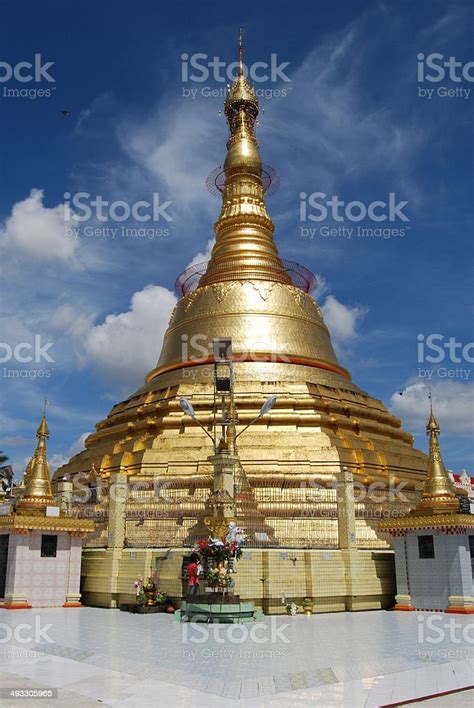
(439,503)
(439,495)
(281,346)
(36,506)
(432,543)
(36,484)
(37,535)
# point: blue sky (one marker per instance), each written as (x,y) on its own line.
(356,123)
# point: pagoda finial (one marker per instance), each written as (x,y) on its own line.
(439,494)
(241,52)
(43,431)
(241,94)
(37,491)
(432,422)
(244,248)
(431,400)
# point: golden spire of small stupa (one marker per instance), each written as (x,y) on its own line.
(244,247)
(38,493)
(439,494)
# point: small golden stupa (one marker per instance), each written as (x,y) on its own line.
(439,495)
(35,533)
(36,492)
(439,504)
(432,544)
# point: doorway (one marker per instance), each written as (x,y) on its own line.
(4,539)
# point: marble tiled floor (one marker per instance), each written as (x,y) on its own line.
(362,659)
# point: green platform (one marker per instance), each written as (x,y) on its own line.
(224,612)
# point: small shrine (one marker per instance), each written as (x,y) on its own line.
(434,544)
(212,564)
(40,547)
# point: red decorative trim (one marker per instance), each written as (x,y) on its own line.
(16,606)
(73,604)
(460,610)
(405,608)
(262,357)
(427,697)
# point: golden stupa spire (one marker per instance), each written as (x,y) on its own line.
(244,247)
(37,491)
(246,292)
(439,494)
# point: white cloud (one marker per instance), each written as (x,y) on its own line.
(342,320)
(201,257)
(321,289)
(453,404)
(180,154)
(126,346)
(94,112)
(338,130)
(67,319)
(59,458)
(37,232)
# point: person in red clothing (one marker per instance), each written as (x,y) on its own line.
(193,577)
